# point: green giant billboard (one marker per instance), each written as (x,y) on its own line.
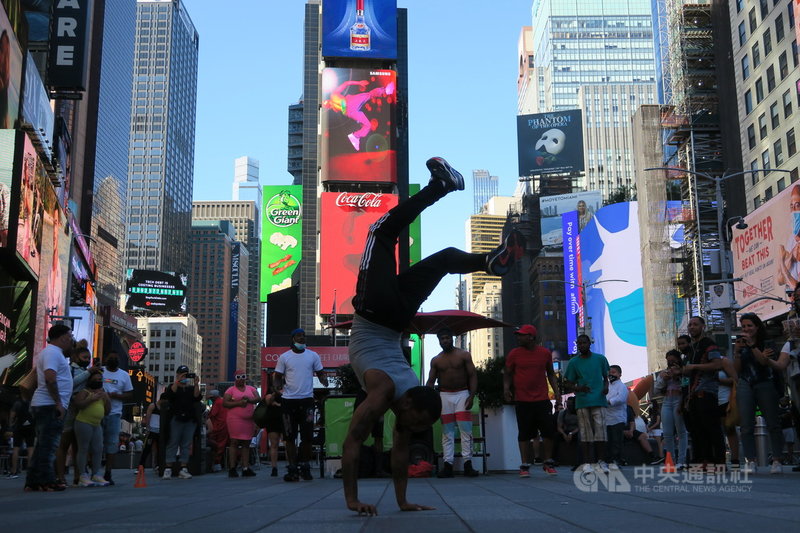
(281,236)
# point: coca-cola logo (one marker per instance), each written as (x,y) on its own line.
(362,200)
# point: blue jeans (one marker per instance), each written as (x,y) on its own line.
(180,436)
(672,422)
(48,426)
(765,396)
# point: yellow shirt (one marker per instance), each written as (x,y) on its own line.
(92,414)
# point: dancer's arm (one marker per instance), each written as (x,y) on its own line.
(380,391)
(401,440)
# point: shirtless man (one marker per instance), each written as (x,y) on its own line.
(458,383)
(385,302)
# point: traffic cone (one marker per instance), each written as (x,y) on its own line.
(669,466)
(140,481)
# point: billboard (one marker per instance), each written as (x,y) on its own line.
(359,141)
(330,356)
(37,115)
(233,329)
(346,218)
(7,148)
(10,73)
(612,280)
(68,54)
(281,236)
(155,291)
(550,143)
(552,207)
(766,255)
(37,13)
(359,28)
(572,282)
(34,185)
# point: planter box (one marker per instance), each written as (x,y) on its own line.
(501,439)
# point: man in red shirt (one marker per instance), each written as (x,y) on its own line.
(528,369)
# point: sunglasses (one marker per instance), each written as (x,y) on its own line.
(241,376)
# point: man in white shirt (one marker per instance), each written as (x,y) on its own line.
(117,383)
(49,404)
(294,373)
(616,415)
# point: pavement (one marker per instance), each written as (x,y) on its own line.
(639,500)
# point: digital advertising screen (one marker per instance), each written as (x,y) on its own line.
(766,254)
(282,235)
(155,291)
(34,185)
(37,115)
(359,28)
(7,148)
(346,218)
(552,207)
(359,140)
(550,143)
(10,73)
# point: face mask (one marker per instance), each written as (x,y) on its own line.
(112,364)
(300,347)
(796,219)
(96,385)
(83,364)
(612,378)
(185,381)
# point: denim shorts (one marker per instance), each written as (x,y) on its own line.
(111,425)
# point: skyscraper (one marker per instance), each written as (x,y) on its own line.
(484,186)
(109,190)
(161,155)
(244,216)
(589,43)
(245,180)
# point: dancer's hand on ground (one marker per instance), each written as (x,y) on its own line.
(364,509)
(415,507)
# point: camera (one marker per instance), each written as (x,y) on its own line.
(191,375)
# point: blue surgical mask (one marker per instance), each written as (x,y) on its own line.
(300,347)
(185,381)
(796,219)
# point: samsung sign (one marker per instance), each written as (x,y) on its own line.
(66,72)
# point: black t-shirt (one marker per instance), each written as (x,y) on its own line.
(182,403)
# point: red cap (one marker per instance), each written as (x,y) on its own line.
(527,329)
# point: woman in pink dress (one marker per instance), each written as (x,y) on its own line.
(240,400)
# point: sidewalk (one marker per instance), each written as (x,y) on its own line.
(499,503)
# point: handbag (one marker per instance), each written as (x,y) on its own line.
(28,383)
(260,414)
(732,414)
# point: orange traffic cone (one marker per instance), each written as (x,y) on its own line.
(140,481)
(669,466)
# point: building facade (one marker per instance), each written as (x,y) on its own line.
(589,43)
(484,187)
(218,299)
(765,59)
(245,218)
(172,341)
(608,134)
(246,185)
(487,343)
(161,157)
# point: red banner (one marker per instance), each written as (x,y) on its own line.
(346,218)
(331,356)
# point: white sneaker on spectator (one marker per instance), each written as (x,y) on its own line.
(216,468)
(776,468)
(613,466)
(184,474)
(167,473)
(750,467)
(603,466)
(587,468)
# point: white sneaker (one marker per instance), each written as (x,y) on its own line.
(777,468)
(587,468)
(100,481)
(216,468)
(603,466)
(750,467)
(84,481)
(167,473)
(613,466)
(184,474)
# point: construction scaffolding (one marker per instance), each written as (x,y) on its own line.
(692,138)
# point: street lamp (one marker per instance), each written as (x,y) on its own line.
(724,244)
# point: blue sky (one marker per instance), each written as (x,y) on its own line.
(462,98)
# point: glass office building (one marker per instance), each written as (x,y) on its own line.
(161,155)
(588,42)
(109,213)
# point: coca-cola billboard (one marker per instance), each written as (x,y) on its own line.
(346,218)
(359,126)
